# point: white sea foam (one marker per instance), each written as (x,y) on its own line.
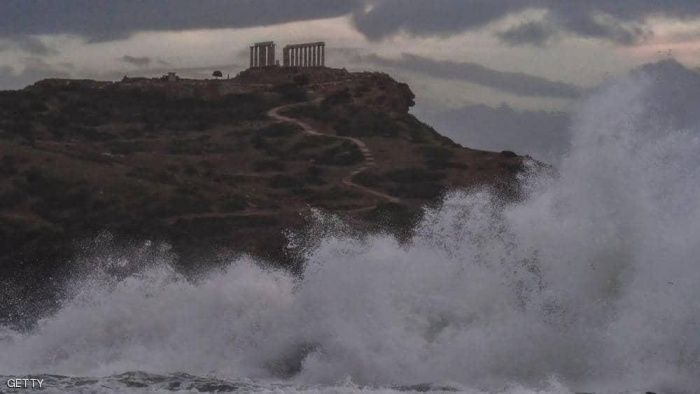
(592,283)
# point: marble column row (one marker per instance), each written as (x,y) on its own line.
(262,55)
(304,55)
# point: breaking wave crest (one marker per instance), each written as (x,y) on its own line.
(591,282)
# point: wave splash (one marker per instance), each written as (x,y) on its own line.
(591,281)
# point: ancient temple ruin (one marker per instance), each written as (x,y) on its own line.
(262,54)
(304,55)
(311,54)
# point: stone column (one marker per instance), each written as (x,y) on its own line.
(272,57)
(323,55)
(313,55)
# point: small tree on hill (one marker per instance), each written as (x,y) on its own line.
(217,74)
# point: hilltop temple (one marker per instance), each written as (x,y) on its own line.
(313,54)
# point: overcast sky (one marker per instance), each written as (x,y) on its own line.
(496,74)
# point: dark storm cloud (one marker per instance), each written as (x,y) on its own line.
(516,83)
(547,135)
(34,69)
(427,18)
(602,22)
(541,33)
(619,21)
(109,19)
(531,33)
(29,44)
(136,61)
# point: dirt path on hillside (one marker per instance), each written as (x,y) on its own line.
(366,153)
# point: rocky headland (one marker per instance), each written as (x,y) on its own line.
(215,167)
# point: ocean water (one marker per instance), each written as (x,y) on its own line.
(590,284)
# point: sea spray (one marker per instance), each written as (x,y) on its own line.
(592,281)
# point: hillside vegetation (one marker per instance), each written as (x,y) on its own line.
(203,165)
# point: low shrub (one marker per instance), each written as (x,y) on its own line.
(8,165)
(128,147)
(368,179)
(268,165)
(419,190)
(435,165)
(187,147)
(436,152)
(310,142)
(314,175)
(301,79)
(278,130)
(291,92)
(413,175)
(10,198)
(340,97)
(223,225)
(307,111)
(285,182)
(392,215)
(233,203)
(346,154)
(367,124)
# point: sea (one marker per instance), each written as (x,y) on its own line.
(588,284)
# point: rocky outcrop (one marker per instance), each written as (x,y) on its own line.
(216,167)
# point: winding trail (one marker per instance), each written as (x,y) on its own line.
(368,162)
(366,153)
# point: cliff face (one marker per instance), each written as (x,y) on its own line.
(216,166)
